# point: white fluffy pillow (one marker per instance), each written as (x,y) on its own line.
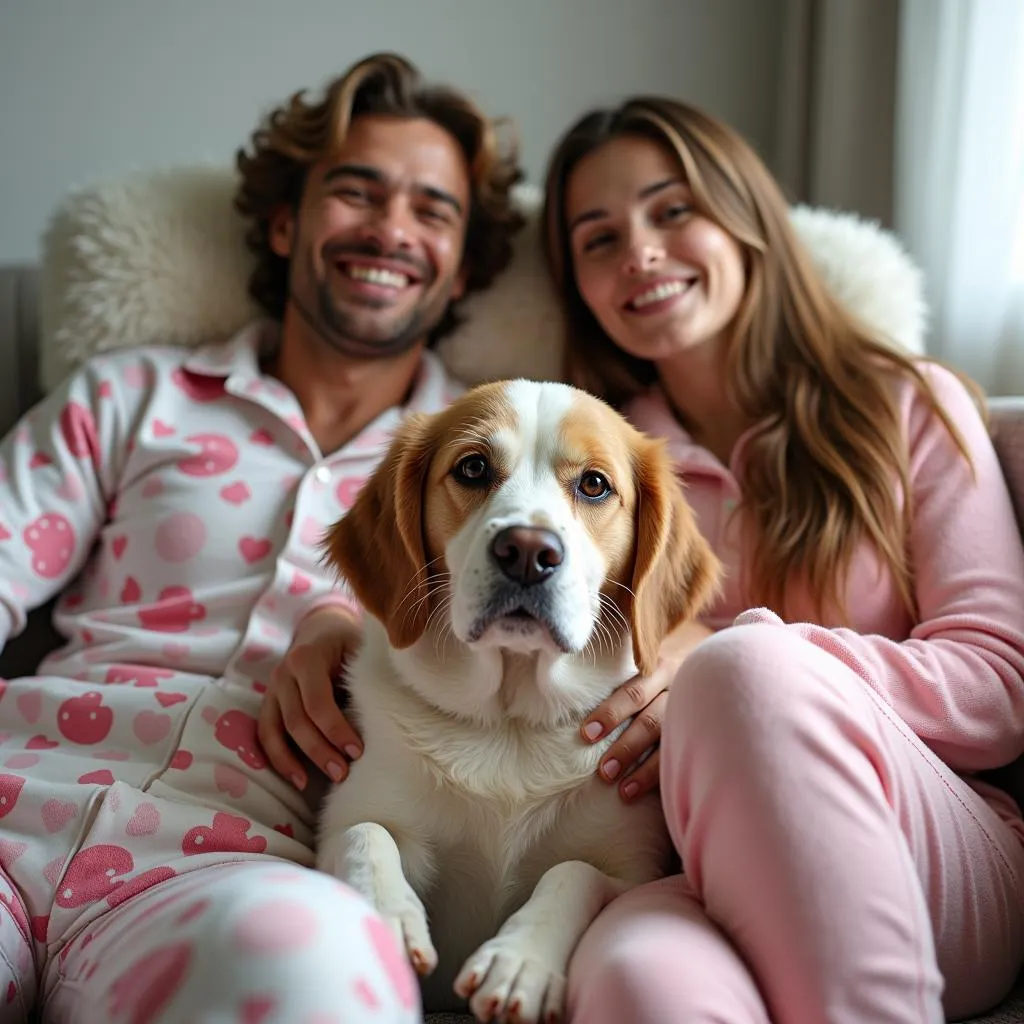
(159,257)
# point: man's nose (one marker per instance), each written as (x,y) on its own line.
(390,225)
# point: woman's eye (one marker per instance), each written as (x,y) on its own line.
(594,486)
(597,242)
(473,470)
(675,211)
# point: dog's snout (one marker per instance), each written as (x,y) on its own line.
(527,554)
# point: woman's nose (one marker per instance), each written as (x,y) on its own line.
(644,254)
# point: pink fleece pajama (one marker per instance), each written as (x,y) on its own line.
(154,867)
(843,863)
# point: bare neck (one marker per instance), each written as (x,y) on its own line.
(695,386)
(340,395)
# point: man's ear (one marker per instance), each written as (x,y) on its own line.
(378,547)
(281,234)
(459,284)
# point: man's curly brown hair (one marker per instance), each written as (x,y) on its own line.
(295,136)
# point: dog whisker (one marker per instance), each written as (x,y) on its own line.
(616,621)
(433,579)
(614,612)
(441,607)
(616,583)
(442,635)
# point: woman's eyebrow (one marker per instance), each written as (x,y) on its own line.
(645,193)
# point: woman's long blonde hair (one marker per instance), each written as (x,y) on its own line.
(827,466)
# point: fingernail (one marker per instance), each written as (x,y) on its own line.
(298,781)
(353,752)
(630,790)
(611,769)
(335,771)
(592,730)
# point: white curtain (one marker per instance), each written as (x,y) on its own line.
(958,198)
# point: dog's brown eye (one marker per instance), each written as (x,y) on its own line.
(594,486)
(472,469)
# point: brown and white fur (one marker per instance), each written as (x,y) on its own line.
(506,596)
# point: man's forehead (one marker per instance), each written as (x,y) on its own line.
(401,151)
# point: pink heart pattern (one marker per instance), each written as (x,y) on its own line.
(254,549)
(57,813)
(145,821)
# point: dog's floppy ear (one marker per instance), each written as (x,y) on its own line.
(378,545)
(675,572)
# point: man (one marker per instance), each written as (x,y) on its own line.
(152,860)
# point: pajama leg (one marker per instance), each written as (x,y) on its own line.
(653,957)
(17,965)
(248,941)
(856,876)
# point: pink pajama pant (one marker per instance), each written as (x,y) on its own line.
(252,942)
(835,869)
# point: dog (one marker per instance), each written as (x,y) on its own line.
(519,556)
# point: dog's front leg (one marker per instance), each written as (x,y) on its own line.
(367,858)
(520,974)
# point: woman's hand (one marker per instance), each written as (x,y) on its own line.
(299,702)
(643,699)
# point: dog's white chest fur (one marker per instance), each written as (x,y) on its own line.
(479,811)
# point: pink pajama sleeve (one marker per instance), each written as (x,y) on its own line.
(59,470)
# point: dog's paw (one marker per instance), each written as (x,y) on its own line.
(504,982)
(404,914)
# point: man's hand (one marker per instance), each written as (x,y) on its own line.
(643,699)
(299,702)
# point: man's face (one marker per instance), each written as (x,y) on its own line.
(376,244)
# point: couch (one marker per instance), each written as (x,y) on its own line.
(20,389)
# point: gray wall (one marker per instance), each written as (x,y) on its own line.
(90,89)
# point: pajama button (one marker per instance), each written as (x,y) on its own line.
(323,474)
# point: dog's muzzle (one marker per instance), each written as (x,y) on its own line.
(526,558)
(527,555)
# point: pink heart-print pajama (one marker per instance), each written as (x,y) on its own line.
(153,866)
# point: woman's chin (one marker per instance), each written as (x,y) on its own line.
(666,347)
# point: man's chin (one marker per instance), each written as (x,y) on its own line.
(358,332)
(367,345)
(367,334)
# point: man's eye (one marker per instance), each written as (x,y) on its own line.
(472,470)
(435,216)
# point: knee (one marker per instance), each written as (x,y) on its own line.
(290,931)
(653,956)
(748,687)
(622,975)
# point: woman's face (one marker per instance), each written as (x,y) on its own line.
(659,278)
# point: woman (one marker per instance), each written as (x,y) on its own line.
(842,861)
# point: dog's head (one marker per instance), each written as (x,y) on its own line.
(525,516)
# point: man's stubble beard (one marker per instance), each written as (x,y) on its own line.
(340,331)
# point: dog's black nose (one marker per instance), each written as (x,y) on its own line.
(527,554)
